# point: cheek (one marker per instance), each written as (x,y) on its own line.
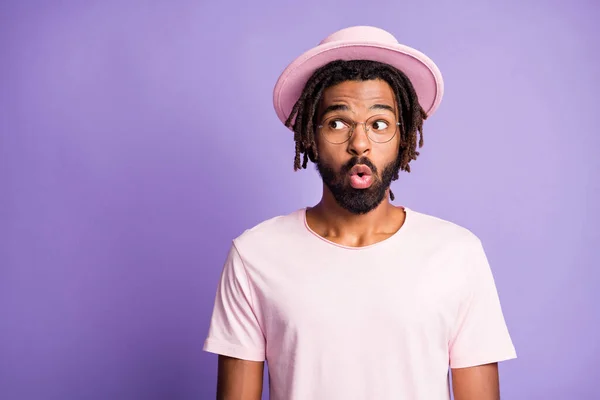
(386,152)
(332,154)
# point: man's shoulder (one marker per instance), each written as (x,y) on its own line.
(440,229)
(272,228)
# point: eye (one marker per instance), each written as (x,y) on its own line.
(337,124)
(380,125)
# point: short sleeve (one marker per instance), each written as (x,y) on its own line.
(234,329)
(480,335)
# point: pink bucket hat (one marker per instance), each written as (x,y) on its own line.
(360,43)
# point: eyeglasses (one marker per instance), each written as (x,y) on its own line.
(379,128)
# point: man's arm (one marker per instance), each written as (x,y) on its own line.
(476,383)
(239,379)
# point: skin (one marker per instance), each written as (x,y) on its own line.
(480,382)
(239,379)
(242,380)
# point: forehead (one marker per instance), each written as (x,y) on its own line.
(359,93)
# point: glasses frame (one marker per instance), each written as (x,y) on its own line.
(353,126)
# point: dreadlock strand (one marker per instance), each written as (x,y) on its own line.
(312,112)
(297,157)
(301,135)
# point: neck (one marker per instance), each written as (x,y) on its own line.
(333,220)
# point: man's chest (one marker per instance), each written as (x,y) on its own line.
(335,300)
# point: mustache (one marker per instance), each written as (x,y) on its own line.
(358,160)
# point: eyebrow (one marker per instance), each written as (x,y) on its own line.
(343,107)
(382,107)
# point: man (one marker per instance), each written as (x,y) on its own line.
(355,298)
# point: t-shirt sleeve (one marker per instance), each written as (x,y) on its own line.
(480,335)
(234,328)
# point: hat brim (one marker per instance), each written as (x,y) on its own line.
(424,75)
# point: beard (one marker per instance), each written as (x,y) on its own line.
(357,201)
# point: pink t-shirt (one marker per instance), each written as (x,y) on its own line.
(382,322)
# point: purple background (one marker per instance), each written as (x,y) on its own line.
(136,140)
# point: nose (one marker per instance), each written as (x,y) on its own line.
(359,143)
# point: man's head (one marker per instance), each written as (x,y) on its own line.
(357,113)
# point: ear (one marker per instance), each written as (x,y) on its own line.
(313,152)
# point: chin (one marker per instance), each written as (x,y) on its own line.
(359,201)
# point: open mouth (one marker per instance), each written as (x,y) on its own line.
(360,170)
(361,177)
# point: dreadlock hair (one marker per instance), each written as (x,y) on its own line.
(410,113)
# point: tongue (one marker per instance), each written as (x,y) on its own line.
(360,182)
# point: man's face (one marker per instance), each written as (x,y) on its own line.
(359,171)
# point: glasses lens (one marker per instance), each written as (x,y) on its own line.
(336,129)
(381,128)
